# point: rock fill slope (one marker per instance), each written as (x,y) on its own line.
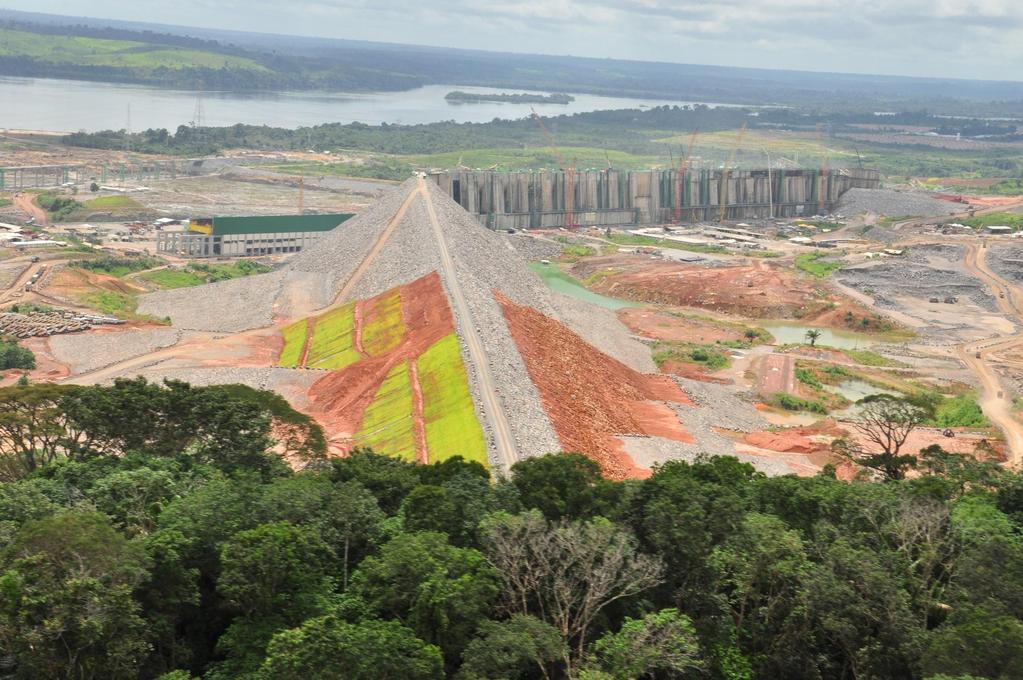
(414,239)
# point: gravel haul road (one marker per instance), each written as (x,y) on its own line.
(504,442)
(996,406)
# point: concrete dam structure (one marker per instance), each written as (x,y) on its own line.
(535,200)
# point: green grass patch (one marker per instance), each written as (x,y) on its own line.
(294,342)
(58,207)
(816,264)
(654,242)
(113,303)
(333,341)
(198,273)
(959,411)
(1008,219)
(117,266)
(864,357)
(384,329)
(173,278)
(808,378)
(387,425)
(449,415)
(377,167)
(577,251)
(791,403)
(711,357)
(4,202)
(117,202)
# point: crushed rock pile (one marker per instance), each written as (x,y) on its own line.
(894,203)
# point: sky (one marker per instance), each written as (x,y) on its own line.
(942,38)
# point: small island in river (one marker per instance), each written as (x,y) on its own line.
(459,97)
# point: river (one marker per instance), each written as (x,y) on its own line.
(72,105)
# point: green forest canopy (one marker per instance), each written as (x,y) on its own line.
(153,532)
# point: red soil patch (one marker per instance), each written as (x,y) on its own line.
(784,441)
(759,290)
(691,371)
(73,283)
(661,326)
(339,399)
(590,397)
(418,421)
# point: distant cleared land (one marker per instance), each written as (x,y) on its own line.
(450,417)
(120,54)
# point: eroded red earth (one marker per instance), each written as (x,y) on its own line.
(339,399)
(591,398)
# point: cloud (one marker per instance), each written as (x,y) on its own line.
(958,38)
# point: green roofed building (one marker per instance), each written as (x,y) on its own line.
(248,236)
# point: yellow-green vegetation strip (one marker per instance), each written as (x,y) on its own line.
(384,330)
(294,342)
(113,203)
(452,428)
(333,342)
(387,424)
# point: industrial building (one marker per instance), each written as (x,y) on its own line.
(247,236)
(531,200)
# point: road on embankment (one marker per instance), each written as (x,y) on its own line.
(977,356)
(495,414)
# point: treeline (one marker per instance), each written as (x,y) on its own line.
(154,532)
(628,130)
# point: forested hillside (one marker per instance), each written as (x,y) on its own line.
(154,532)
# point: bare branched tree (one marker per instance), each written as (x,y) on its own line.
(566,573)
(885,422)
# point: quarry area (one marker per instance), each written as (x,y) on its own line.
(418,329)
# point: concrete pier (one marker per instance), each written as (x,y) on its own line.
(532,200)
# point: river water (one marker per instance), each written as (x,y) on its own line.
(72,105)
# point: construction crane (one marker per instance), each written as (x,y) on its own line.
(726,174)
(680,176)
(568,170)
(825,171)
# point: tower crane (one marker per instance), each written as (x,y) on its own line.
(569,171)
(680,177)
(726,174)
(825,171)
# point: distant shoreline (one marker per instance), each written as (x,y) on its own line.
(460,97)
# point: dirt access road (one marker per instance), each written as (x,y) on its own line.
(26,203)
(996,406)
(504,442)
(777,374)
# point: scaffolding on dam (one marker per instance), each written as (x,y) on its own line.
(535,200)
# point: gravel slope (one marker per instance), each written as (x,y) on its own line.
(89,351)
(894,203)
